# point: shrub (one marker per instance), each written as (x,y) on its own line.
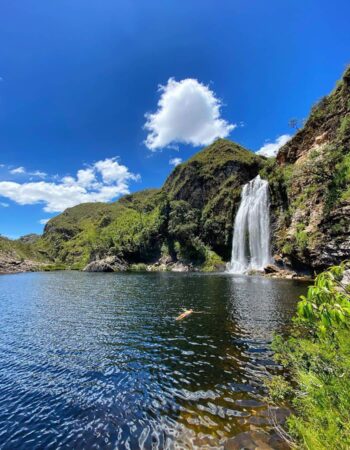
(317,355)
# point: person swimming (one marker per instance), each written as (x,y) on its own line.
(186,313)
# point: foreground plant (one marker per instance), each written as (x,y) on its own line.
(317,356)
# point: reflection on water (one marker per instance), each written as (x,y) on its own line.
(98,361)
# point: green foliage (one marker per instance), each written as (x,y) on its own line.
(317,356)
(344,129)
(279,388)
(326,306)
(183,221)
(54,267)
(139,267)
(339,189)
(129,228)
(212,261)
(287,249)
(301,237)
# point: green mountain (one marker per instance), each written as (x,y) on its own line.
(190,219)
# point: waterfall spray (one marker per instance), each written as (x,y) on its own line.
(251,236)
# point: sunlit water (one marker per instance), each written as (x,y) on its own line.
(98,361)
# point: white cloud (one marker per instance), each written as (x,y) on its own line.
(43,221)
(102,182)
(271,149)
(4,205)
(175,161)
(39,174)
(18,170)
(188,112)
(112,171)
(21,171)
(85,177)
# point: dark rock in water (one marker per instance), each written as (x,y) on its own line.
(256,440)
(109,264)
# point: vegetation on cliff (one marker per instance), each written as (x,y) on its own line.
(317,356)
(310,186)
(19,249)
(19,255)
(189,220)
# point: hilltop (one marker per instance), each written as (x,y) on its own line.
(188,220)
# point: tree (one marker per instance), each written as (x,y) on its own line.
(294,123)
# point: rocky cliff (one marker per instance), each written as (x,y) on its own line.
(310,186)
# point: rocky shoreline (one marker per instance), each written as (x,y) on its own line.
(11,265)
(167,264)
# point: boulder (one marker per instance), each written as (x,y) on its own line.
(273,271)
(98,266)
(180,267)
(272,268)
(108,264)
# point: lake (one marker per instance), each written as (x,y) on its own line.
(93,361)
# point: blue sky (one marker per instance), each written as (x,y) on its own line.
(78,76)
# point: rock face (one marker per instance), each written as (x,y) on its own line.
(109,264)
(310,186)
(322,126)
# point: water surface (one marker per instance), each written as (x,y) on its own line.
(93,361)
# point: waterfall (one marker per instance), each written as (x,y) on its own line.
(251,235)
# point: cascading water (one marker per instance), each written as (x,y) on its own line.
(251,236)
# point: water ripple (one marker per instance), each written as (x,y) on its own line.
(97,360)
